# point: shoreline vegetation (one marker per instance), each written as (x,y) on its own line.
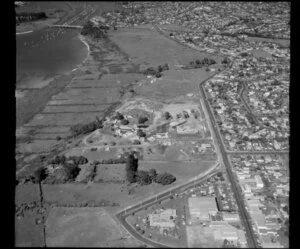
(32,101)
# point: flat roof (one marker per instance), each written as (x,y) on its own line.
(202,204)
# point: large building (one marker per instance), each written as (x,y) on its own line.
(201,207)
(222,230)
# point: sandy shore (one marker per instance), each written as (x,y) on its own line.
(26,32)
(81,38)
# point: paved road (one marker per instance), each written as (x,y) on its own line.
(121,215)
(252,243)
(244,214)
(257,152)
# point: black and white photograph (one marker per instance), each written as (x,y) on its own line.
(159,124)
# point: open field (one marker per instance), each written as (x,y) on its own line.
(173,83)
(27,232)
(27,193)
(86,227)
(148,48)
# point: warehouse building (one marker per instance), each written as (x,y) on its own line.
(201,208)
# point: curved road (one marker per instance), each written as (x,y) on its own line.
(121,215)
(245,218)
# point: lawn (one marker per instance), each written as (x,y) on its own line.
(149,48)
(84,227)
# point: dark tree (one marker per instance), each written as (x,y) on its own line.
(130,176)
(165,178)
(140,133)
(152,174)
(136,142)
(119,116)
(167,115)
(165,67)
(142,119)
(143,177)
(131,163)
(39,175)
(158,74)
(124,122)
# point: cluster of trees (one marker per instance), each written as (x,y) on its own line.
(39,175)
(77,160)
(29,16)
(79,129)
(111,161)
(142,119)
(96,32)
(119,116)
(145,177)
(202,63)
(226,60)
(67,173)
(156,72)
(140,133)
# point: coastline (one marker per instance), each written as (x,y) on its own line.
(26,32)
(33,99)
(82,38)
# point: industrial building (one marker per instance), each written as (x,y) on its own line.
(230,217)
(222,230)
(201,208)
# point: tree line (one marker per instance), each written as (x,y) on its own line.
(96,32)
(133,175)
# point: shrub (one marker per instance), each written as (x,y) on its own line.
(142,119)
(225,60)
(72,171)
(119,116)
(165,178)
(78,160)
(143,177)
(90,29)
(124,122)
(167,115)
(130,176)
(165,67)
(158,75)
(58,160)
(136,142)
(150,71)
(152,174)
(140,133)
(86,128)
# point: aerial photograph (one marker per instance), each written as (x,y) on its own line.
(152,124)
